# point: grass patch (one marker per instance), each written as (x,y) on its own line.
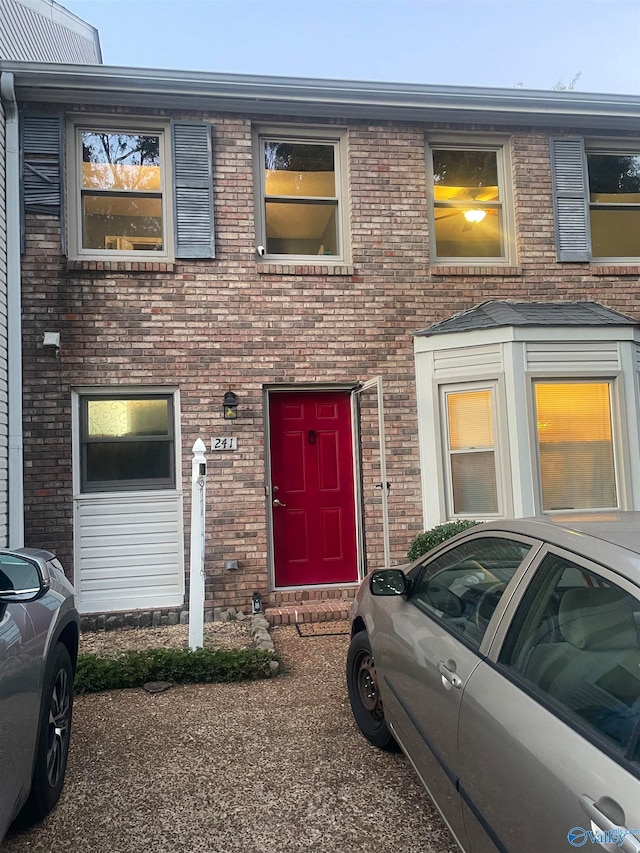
(180,666)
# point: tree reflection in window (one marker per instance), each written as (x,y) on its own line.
(121,191)
(614,193)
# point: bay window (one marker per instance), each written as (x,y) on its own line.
(471,451)
(575,445)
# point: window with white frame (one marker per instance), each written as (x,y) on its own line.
(301,195)
(596,199)
(614,203)
(471,452)
(469,203)
(575,445)
(139,190)
(121,190)
(127,442)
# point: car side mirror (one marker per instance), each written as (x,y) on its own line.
(389,582)
(21,579)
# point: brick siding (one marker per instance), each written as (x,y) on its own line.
(207,326)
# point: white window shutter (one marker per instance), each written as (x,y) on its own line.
(41,156)
(570,198)
(192,189)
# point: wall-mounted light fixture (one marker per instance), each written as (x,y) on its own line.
(51,339)
(230,406)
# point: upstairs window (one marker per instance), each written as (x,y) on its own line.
(468,204)
(137,191)
(301,213)
(614,204)
(121,191)
(596,199)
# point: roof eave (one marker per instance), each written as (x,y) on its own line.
(104,85)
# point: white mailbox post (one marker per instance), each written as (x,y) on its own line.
(196,570)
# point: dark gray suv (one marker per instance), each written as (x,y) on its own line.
(39,630)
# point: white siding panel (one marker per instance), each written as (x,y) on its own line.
(129,552)
(460,363)
(29,31)
(582,357)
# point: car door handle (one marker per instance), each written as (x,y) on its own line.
(630,842)
(449,675)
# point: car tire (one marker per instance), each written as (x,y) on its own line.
(364,696)
(52,748)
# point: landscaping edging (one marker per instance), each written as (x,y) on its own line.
(168,657)
(159,618)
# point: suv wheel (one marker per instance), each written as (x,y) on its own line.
(53,739)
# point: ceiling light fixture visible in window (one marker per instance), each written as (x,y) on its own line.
(475,215)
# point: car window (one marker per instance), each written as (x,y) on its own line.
(575,640)
(463,586)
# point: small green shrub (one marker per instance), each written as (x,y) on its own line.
(430,538)
(181,666)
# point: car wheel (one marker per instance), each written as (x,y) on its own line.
(53,738)
(364,696)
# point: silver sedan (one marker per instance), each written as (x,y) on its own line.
(506,665)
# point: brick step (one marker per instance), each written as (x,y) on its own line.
(330,610)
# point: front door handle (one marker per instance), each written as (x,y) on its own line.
(450,677)
(630,843)
(278,503)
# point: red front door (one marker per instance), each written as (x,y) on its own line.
(312,490)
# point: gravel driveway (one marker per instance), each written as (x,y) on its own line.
(273,766)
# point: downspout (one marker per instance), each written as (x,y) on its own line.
(14,313)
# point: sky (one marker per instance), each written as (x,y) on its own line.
(536,44)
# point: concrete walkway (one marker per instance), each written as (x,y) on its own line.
(267,767)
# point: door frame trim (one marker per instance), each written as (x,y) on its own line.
(290,387)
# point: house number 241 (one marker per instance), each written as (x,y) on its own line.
(228,443)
